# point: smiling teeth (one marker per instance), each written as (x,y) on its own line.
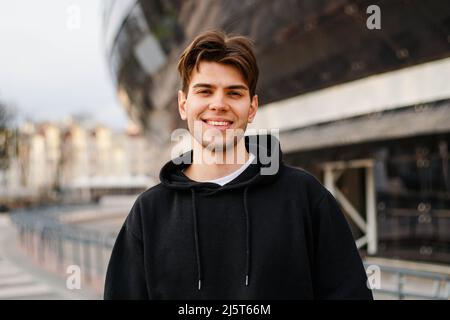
(218,123)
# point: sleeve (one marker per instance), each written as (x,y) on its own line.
(125,276)
(338,269)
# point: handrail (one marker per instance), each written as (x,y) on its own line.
(441,283)
(57,245)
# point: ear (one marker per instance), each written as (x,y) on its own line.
(253,109)
(182,105)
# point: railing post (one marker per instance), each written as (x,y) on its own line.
(400,285)
(60,251)
(99,256)
(86,258)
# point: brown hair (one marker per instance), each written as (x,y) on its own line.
(216,46)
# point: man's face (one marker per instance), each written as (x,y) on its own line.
(218,105)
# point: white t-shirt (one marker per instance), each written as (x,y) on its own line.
(230,177)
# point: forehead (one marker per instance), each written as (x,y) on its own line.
(217,74)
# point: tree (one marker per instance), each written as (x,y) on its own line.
(6,116)
(7,136)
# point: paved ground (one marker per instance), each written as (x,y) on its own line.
(22,280)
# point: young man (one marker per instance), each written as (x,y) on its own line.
(220,228)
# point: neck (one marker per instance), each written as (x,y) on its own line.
(209,165)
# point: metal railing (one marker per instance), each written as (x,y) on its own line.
(56,246)
(404,277)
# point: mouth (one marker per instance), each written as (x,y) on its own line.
(220,124)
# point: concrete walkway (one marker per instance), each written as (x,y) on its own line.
(20,279)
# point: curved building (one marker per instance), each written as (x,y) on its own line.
(363,106)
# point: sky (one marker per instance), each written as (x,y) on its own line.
(52,61)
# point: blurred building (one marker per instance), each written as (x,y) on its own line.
(44,153)
(101,162)
(74,162)
(365,110)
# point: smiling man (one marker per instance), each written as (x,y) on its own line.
(229,220)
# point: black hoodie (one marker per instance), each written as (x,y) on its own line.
(279,236)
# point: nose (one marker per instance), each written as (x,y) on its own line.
(219,103)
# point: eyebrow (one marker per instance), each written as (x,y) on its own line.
(207,85)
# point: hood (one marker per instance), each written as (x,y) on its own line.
(264,168)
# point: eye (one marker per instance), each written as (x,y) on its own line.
(235,94)
(204,91)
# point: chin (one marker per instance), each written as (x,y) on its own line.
(228,145)
(219,142)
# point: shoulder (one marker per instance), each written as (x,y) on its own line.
(143,206)
(310,190)
(297,172)
(304,182)
(151,194)
(152,199)
(298,175)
